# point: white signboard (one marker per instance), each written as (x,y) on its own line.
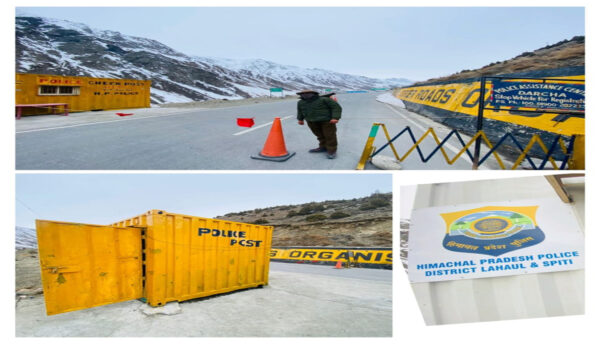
(493,239)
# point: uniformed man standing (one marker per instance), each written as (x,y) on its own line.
(321,115)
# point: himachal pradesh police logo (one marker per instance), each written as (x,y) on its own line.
(492,230)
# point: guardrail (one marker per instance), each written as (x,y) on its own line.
(350,256)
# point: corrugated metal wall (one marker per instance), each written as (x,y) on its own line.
(500,298)
(181,264)
(85,266)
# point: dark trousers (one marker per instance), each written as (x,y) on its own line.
(325,133)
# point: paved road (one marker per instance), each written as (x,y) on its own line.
(209,139)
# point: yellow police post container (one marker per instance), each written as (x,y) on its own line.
(166,257)
(81,93)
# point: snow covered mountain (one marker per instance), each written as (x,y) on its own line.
(52,46)
(25,238)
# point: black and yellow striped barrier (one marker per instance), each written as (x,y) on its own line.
(357,256)
(565,146)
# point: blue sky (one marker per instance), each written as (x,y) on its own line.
(411,42)
(106,198)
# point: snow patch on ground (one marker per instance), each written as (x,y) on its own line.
(253,91)
(169,97)
(389,98)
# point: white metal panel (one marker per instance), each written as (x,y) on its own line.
(499,298)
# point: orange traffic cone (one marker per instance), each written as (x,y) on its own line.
(338,265)
(274,149)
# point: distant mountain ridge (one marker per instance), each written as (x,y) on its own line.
(563,54)
(358,222)
(52,46)
(25,238)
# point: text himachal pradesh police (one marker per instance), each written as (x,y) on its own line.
(498,264)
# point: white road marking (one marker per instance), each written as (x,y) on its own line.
(260,126)
(138,118)
(448,145)
(102,122)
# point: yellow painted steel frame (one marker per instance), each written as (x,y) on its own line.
(84,266)
(369,148)
(578,160)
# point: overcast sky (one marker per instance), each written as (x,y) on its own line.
(106,198)
(415,43)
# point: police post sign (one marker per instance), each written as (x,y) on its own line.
(538,95)
(493,239)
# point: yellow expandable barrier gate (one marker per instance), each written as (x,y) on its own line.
(566,148)
(158,256)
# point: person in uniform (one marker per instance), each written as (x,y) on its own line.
(322,115)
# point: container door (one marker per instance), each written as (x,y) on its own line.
(86,266)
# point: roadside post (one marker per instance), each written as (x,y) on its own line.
(350,256)
(479,123)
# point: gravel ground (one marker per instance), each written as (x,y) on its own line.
(313,301)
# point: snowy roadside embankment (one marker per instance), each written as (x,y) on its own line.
(389,98)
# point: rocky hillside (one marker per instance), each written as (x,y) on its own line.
(51,46)
(361,222)
(566,53)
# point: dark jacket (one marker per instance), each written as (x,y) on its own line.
(318,109)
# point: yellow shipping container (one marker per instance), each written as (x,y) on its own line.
(158,256)
(80,93)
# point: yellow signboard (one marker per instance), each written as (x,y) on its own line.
(463,98)
(367,255)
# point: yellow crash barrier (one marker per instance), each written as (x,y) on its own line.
(325,254)
(463,98)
